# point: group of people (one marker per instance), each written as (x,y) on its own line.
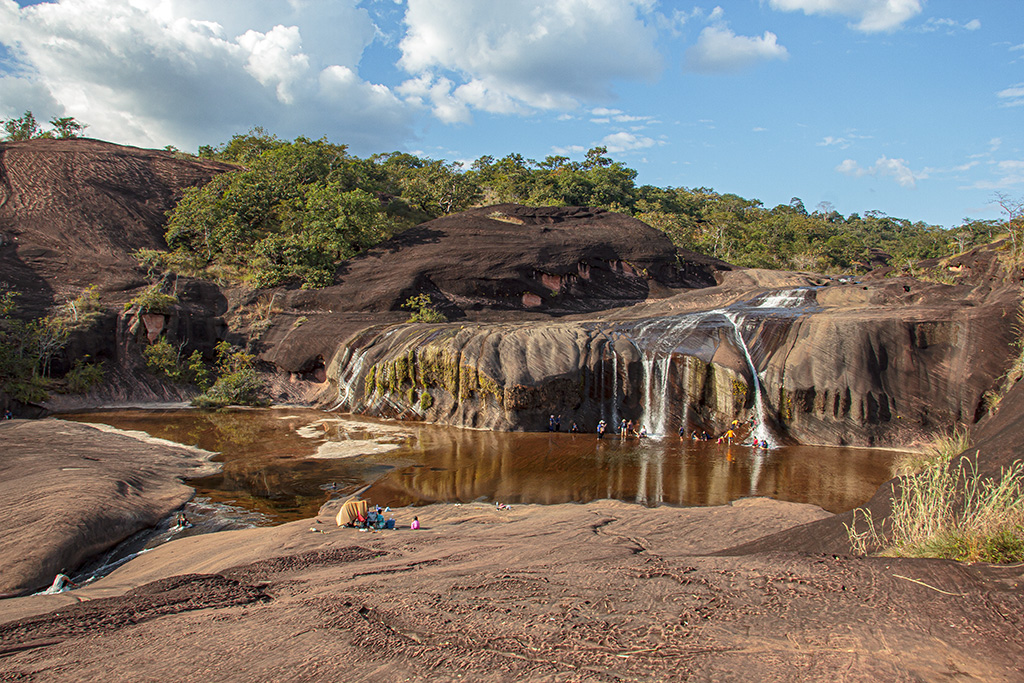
(727,437)
(626,429)
(375,519)
(555,425)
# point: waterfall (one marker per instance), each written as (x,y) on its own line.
(659,338)
(761,432)
(350,375)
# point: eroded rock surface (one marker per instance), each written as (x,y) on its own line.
(71,492)
(878,362)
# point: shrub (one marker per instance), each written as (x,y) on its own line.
(164,359)
(423,310)
(152,300)
(83,376)
(237,383)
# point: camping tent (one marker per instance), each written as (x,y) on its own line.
(350,510)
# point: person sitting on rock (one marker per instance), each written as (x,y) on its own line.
(415,523)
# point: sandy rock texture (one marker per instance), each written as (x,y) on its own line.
(600,592)
(71,491)
(73,211)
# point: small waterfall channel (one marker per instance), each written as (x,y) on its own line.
(665,385)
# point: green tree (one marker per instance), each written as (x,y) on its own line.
(24,127)
(66,127)
(423,310)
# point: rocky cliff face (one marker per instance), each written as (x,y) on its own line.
(499,262)
(72,213)
(882,362)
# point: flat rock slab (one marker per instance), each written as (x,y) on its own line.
(71,491)
(605,591)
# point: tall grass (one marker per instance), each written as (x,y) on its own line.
(942,508)
(952,512)
(941,451)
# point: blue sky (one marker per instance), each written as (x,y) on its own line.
(909,107)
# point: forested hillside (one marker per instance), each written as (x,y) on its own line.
(294,209)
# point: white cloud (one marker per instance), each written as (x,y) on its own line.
(274,58)
(885,167)
(948,26)
(603,115)
(569,151)
(626,142)
(1008,173)
(830,141)
(1012,96)
(522,55)
(186,72)
(869,16)
(719,50)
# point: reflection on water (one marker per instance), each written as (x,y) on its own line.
(269,464)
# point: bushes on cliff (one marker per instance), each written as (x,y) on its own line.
(232,380)
(28,347)
(237,381)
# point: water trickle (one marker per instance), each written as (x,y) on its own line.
(787,298)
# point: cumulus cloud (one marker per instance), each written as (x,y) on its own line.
(884,167)
(868,16)
(522,55)
(153,72)
(719,50)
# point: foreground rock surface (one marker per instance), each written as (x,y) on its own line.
(71,491)
(606,591)
(600,592)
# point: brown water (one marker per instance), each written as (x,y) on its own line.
(268,465)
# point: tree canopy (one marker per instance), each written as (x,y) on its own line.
(25,127)
(293,210)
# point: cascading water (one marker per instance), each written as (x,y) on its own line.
(760,431)
(658,339)
(353,370)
